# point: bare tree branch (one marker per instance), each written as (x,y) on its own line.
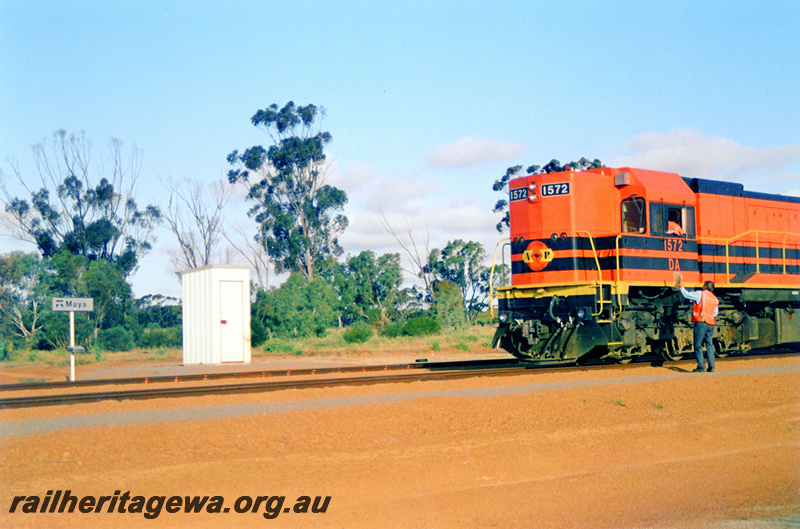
(195,216)
(254,252)
(409,245)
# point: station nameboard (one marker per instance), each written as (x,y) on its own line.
(73,304)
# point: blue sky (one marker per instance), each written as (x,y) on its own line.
(428,102)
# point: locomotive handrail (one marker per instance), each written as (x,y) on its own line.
(492,293)
(599,271)
(728,242)
(617,274)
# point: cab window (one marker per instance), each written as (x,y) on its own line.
(634,215)
(672,220)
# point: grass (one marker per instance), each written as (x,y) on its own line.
(60,357)
(471,340)
(475,339)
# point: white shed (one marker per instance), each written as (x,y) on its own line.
(216,315)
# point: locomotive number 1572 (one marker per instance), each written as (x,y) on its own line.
(549,190)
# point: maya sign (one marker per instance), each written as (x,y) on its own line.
(73,304)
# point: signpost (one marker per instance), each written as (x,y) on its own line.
(73,305)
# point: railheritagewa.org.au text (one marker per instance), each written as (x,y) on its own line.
(153,506)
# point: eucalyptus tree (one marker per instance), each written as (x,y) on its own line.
(368,286)
(195,216)
(462,263)
(298,214)
(554,166)
(82,207)
(22,296)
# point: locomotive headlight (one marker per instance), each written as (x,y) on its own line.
(581,314)
(503,317)
(532,192)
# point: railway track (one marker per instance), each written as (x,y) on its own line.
(433,371)
(368,375)
(274,373)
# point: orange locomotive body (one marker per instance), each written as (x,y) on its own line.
(594,256)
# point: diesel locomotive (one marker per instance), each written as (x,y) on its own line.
(594,255)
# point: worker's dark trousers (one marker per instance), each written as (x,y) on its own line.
(703,333)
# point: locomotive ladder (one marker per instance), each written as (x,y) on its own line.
(599,283)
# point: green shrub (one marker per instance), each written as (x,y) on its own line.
(258,332)
(278,346)
(298,309)
(116,339)
(154,336)
(486,318)
(358,333)
(393,330)
(448,305)
(421,326)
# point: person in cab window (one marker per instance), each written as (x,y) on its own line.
(674,224)
(673,228)
(705,308)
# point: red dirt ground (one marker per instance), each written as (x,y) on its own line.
(636,447)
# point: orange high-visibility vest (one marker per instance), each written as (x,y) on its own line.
(674,228)
(704,311)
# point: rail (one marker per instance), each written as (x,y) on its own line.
(492,293)
(618,271)
(491,367)
(599,271)
(756,233)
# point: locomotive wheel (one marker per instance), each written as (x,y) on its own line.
(720,352)
(669,352)
(516,344)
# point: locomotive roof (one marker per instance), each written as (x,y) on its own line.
(716,187)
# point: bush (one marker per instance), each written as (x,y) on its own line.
(421,326)
(448,305)
(276,345)
(6,346)
(116,339)
(393,330)
(358,333)
(154,337)
(258,332)
(486,318)
(298,309)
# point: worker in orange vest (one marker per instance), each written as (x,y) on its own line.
(673,228)
(705,308)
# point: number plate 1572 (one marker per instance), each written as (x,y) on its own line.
(549,190)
